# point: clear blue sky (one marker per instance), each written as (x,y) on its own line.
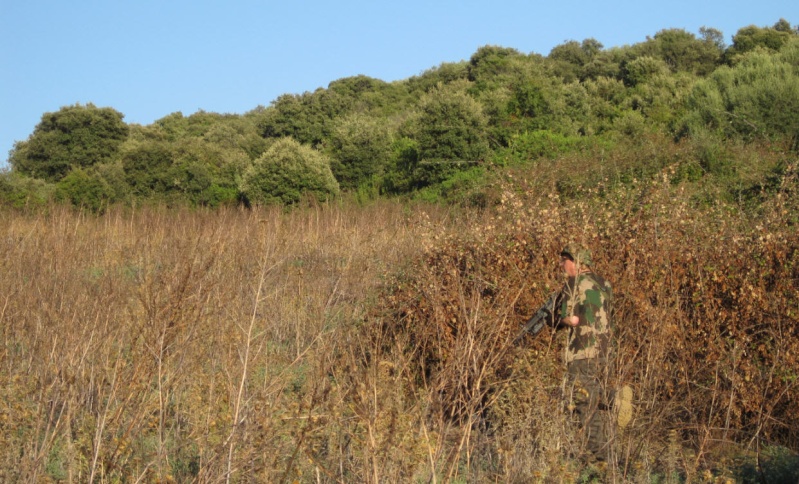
(148,58)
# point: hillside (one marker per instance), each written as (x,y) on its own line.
(328,289)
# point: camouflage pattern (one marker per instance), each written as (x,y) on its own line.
(587,296)
(588,351)
(587,354)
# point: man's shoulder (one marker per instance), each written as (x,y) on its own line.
(593,279)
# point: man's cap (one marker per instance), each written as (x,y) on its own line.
(577,253)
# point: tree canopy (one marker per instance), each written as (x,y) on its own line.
(286,172)
(73,137)
(430,130)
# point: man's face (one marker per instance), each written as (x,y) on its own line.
(568,266)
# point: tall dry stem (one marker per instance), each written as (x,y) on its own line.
(266,265)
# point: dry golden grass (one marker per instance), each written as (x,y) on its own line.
(158,344)
(372,344)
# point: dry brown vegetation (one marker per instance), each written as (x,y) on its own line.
(373,344)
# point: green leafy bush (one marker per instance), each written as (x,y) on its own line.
(84,189)
(449,131)
(643,69)
(527,147)
(756,99)
(74,136)
(359,148)
(400,176)
(751,38)
(287,171)
(20,191)
(146,166)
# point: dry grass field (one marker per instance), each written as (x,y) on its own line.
(347,343)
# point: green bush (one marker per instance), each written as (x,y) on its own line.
(404,158)
(466,187)
(286,172)
(75,136)
(451,125)
(146,166)
(756,99)
(85,189)
(448,133)
(751,38)
(306,118)
(643,69)
(20,191)
(528,147)
(359,147)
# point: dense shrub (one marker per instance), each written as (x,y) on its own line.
(73,137)
(758,98)
(359,148)
(447,134)
(24,192)
(705,313)
(85,190)
(531,146)
(286,172)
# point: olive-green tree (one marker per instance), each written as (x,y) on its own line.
(20,191)
(77,136)
(226,130)
(531,103)
(607,63)
(513,89)
(757,98)
(445,73)
(569,58)
(359,148)
(490,65)
(112,176)
(606,97)
(238,134)
(643,69)
(206,174)
(306,118)
(660,98)
(187,170)
(146,165)
(752,37)
(401,175)
(570,107)
(450,134)
(451,125)
(85,188)
(363,94)
(684,52)
(287,171)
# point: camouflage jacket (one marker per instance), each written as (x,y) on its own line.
(587,296)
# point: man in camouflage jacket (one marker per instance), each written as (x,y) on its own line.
(585,307)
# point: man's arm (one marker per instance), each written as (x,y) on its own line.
(569,303)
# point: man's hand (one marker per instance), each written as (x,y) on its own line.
(571,320)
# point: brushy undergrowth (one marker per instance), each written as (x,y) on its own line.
(345,343)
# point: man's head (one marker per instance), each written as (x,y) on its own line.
(574,258)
